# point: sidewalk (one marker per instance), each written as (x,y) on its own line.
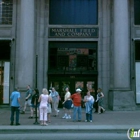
(108,121)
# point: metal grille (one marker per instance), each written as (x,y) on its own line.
(6,10)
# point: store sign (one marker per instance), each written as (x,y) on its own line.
(73,32)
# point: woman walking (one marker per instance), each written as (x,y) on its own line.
(43,99)
(67,104)
(100,97)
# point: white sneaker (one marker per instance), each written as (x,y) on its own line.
(69,117)
(64,117)
(85,120)
(58,111)
(90,120)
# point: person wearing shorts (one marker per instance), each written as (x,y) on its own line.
(28,98)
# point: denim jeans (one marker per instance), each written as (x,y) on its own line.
(89,116)
(13,110)
(76,109)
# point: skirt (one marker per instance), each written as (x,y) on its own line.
(68,104)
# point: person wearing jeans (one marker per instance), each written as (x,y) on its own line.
(77,109)
(89,116)
(15,106)
(89,100)
(76,97)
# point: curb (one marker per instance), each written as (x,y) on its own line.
(67,128)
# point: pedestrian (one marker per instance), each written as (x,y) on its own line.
(76,97)
(43,99)
(95,105)
(49,111)
(55,100)
(15,106)
(67,104)
(35,103)
(99,99)
(28,98)
(89,101)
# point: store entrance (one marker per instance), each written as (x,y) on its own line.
(73,82)
(72,64)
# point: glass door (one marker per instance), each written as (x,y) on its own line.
(1,82)
(137,70)
(73,83)
(4,82)
(60,86)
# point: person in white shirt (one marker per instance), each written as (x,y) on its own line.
(89,101)
(67,104)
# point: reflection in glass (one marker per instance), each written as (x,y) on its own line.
(65,84)
(6,11)
(4,82)
(79,84)
(55,85)
(72,59)
(90,86)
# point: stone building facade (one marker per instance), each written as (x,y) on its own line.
(96,48)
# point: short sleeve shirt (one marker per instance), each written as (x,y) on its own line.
(14,99)
(29,91)
(67,95)
(76,97)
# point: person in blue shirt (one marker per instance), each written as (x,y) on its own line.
(15,106)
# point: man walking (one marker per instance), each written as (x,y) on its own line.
(15,106)
(28,98)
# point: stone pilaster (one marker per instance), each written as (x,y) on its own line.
(120,96)
(121,45)
(25,63)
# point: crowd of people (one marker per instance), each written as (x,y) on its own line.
(46,103)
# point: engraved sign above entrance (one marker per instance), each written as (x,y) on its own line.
(73,32)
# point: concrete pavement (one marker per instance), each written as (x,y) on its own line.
(109,121)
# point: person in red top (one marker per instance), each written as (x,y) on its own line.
(76,97)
